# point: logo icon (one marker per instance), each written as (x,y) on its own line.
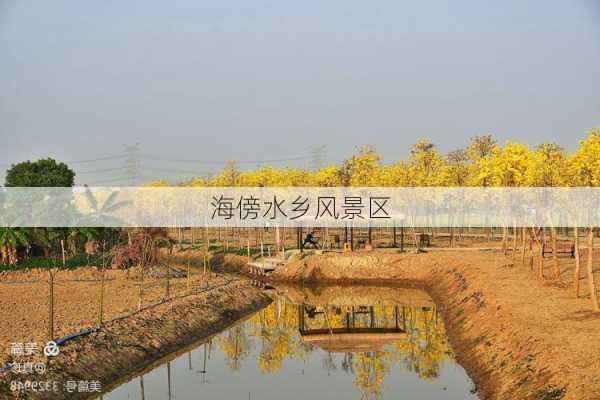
(51,349)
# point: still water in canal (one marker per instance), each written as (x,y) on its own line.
(334,343)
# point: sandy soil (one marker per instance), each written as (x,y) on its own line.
(125,346)
(24,300)
(519,337)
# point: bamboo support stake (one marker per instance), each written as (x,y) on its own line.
(50,304)
(541,259)
(577,261)
(189,282)
(168,287)
(204,272)
(62,248)
(101,306)
(141,289)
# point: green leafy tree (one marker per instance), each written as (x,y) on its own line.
(45,172)
(41,173)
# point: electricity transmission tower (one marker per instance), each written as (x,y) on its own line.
(132,164)
(317,157)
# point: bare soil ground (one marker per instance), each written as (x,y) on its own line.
(125,346)
(518,336)
(24,300)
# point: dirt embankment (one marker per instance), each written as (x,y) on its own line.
(517,336)
(124,346)
(352,295)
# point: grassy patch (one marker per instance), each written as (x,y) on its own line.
(76,261)
(551,393)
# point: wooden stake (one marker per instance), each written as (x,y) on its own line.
(189,282)
(168,288)
(101,306)
(204,271)
(62,247)
(50,304)
(577,261)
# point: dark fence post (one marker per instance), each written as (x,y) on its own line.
(50,304)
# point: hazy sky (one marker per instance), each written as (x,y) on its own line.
(264,80)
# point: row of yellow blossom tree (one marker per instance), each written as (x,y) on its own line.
(483,163)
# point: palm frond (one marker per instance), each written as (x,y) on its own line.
(109,202)
(91,199)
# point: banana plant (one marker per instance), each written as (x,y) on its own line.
(10,239)
(103,214)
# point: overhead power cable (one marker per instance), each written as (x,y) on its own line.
(99,170)
(96,159)
(221,162)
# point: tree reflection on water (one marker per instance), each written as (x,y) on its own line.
(354,339)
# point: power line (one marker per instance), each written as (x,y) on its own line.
(96,159)
(99,170)
(175,171)
(161,158)
(132,163)
(199,161)
(317,154)
(78,161)
(121,179)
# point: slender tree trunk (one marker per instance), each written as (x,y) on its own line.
(590,272)
(539,241)
(514,248)
(452,230)
(553,234)
(523,233)
(577,262)
(531,249)
(541,260)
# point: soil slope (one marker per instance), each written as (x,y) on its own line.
(518,337)
(129,344)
